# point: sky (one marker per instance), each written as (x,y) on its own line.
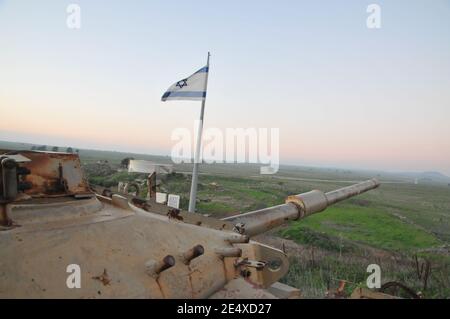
(341,94)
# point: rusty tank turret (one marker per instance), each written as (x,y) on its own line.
(52,222)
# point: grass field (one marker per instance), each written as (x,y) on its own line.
(388,226)
(371,226)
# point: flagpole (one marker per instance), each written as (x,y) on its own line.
(193,195)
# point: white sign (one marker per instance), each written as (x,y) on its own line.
(161,198)
(174,201)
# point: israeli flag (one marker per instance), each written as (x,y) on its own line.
(192,88)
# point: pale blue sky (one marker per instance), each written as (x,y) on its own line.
(341,94)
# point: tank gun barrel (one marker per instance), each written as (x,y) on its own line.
(296,207)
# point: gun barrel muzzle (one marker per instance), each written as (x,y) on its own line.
(296,207)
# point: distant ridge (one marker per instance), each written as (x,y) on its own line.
(420,177)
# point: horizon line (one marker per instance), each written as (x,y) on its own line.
(249,163)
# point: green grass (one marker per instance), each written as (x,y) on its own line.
(114,179)
(307,236)
(315,276)
(371,226)
(214,207)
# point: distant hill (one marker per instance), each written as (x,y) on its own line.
(433,176)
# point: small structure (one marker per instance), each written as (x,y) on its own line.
(141,166)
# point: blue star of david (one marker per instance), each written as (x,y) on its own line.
(181,83)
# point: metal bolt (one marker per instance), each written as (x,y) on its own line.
(228,251)
(192,253)
(234,238)
(154,268)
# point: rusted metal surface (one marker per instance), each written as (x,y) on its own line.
(228,252)
(53,174)
(350,191)
(365,293)
(242,289)
(151,185)
(283,291)
(155,267)
(99,235)
(174,213)
(9,184)
(266,265)
(395,287)
(192,253)
(259,221)
(181,215)
(103,278)
(39,251)
(5,221)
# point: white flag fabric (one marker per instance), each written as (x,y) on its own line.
(191,88)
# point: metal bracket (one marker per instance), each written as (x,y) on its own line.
(259,265)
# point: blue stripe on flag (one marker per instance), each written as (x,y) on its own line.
(204,69)
(184,94)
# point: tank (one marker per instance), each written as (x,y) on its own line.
(59,239)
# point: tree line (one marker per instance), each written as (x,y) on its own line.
(54,149)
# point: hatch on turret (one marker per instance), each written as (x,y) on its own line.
(46,174)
